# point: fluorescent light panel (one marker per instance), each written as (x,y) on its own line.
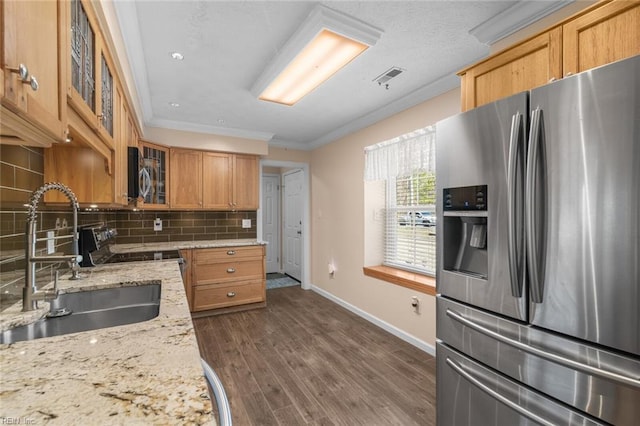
(323,44)
(325,55)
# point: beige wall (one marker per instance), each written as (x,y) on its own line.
(287,154)
(206,141)
(337,221)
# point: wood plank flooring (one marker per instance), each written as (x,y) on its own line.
(304,360)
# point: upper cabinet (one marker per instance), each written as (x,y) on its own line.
(607,32)
(98,122)
(245,193)
(32,100)
(186,179)
(89,82)
(155,175)
(213,180)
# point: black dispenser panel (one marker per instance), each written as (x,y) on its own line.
(465,198)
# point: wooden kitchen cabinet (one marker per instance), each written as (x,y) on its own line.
(245,181)
(155,159)
(228,278)
(89,82)
(85,170)
(185,187)
(213,180)
(230,181)
(604,33)
(187,272)
(523,67)
(32,106)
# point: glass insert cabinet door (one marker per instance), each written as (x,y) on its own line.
(154,160)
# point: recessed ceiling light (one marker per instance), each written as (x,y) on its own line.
(177,56)
(174,104)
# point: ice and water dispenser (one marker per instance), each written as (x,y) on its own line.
(465,230)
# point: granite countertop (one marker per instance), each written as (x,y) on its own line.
(143,373)
(179,245)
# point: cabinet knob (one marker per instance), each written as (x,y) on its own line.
(32,82)
(230,270)
(231,294)
(568,74)
(231,252)
(552,79)
(23,72)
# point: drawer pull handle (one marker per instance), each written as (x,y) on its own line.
(231,252)
(231,294)
(230,270)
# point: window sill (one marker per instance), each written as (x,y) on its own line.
(412,280)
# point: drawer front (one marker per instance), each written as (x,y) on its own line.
(224,254)
(221,296)
(229,271)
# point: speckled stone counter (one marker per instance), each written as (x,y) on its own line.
(143,373)
(178,245)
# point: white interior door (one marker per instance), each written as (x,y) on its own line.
(270,220)
(292,223)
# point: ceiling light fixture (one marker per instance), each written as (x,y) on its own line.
(174,104)
(177,56)
(325,42)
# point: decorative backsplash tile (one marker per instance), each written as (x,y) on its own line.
(22,171)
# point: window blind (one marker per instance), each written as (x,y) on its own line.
(407,164)
(410,231)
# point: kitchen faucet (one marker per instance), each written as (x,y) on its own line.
(30,294)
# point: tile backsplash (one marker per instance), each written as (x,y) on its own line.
(22,171)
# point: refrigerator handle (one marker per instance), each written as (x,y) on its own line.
(496,395)
(514,212)
(532,209)
(565,362)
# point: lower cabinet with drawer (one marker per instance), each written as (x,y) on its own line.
(228,278)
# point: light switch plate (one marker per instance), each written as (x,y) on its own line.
(246,223)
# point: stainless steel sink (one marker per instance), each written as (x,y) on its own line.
(91,310)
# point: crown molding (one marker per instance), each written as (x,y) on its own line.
(214,130)
(443,84)
(127,15)
(515,18)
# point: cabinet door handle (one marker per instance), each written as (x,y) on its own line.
(23,72)
(231,294)
(231,252)
(230,270)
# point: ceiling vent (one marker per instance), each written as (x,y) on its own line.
(383,79)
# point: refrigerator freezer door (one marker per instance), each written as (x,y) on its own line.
(601,383)
(476,148)
(471,394)
(587,223)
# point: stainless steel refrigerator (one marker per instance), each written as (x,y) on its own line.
(538,267)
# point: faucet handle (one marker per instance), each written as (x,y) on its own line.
(74,265)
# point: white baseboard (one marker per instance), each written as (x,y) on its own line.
(420,344)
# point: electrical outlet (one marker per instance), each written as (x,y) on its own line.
(157,224)
(246,223)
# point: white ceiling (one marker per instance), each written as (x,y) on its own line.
(227,44)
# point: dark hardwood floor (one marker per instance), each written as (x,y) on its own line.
(303,360)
